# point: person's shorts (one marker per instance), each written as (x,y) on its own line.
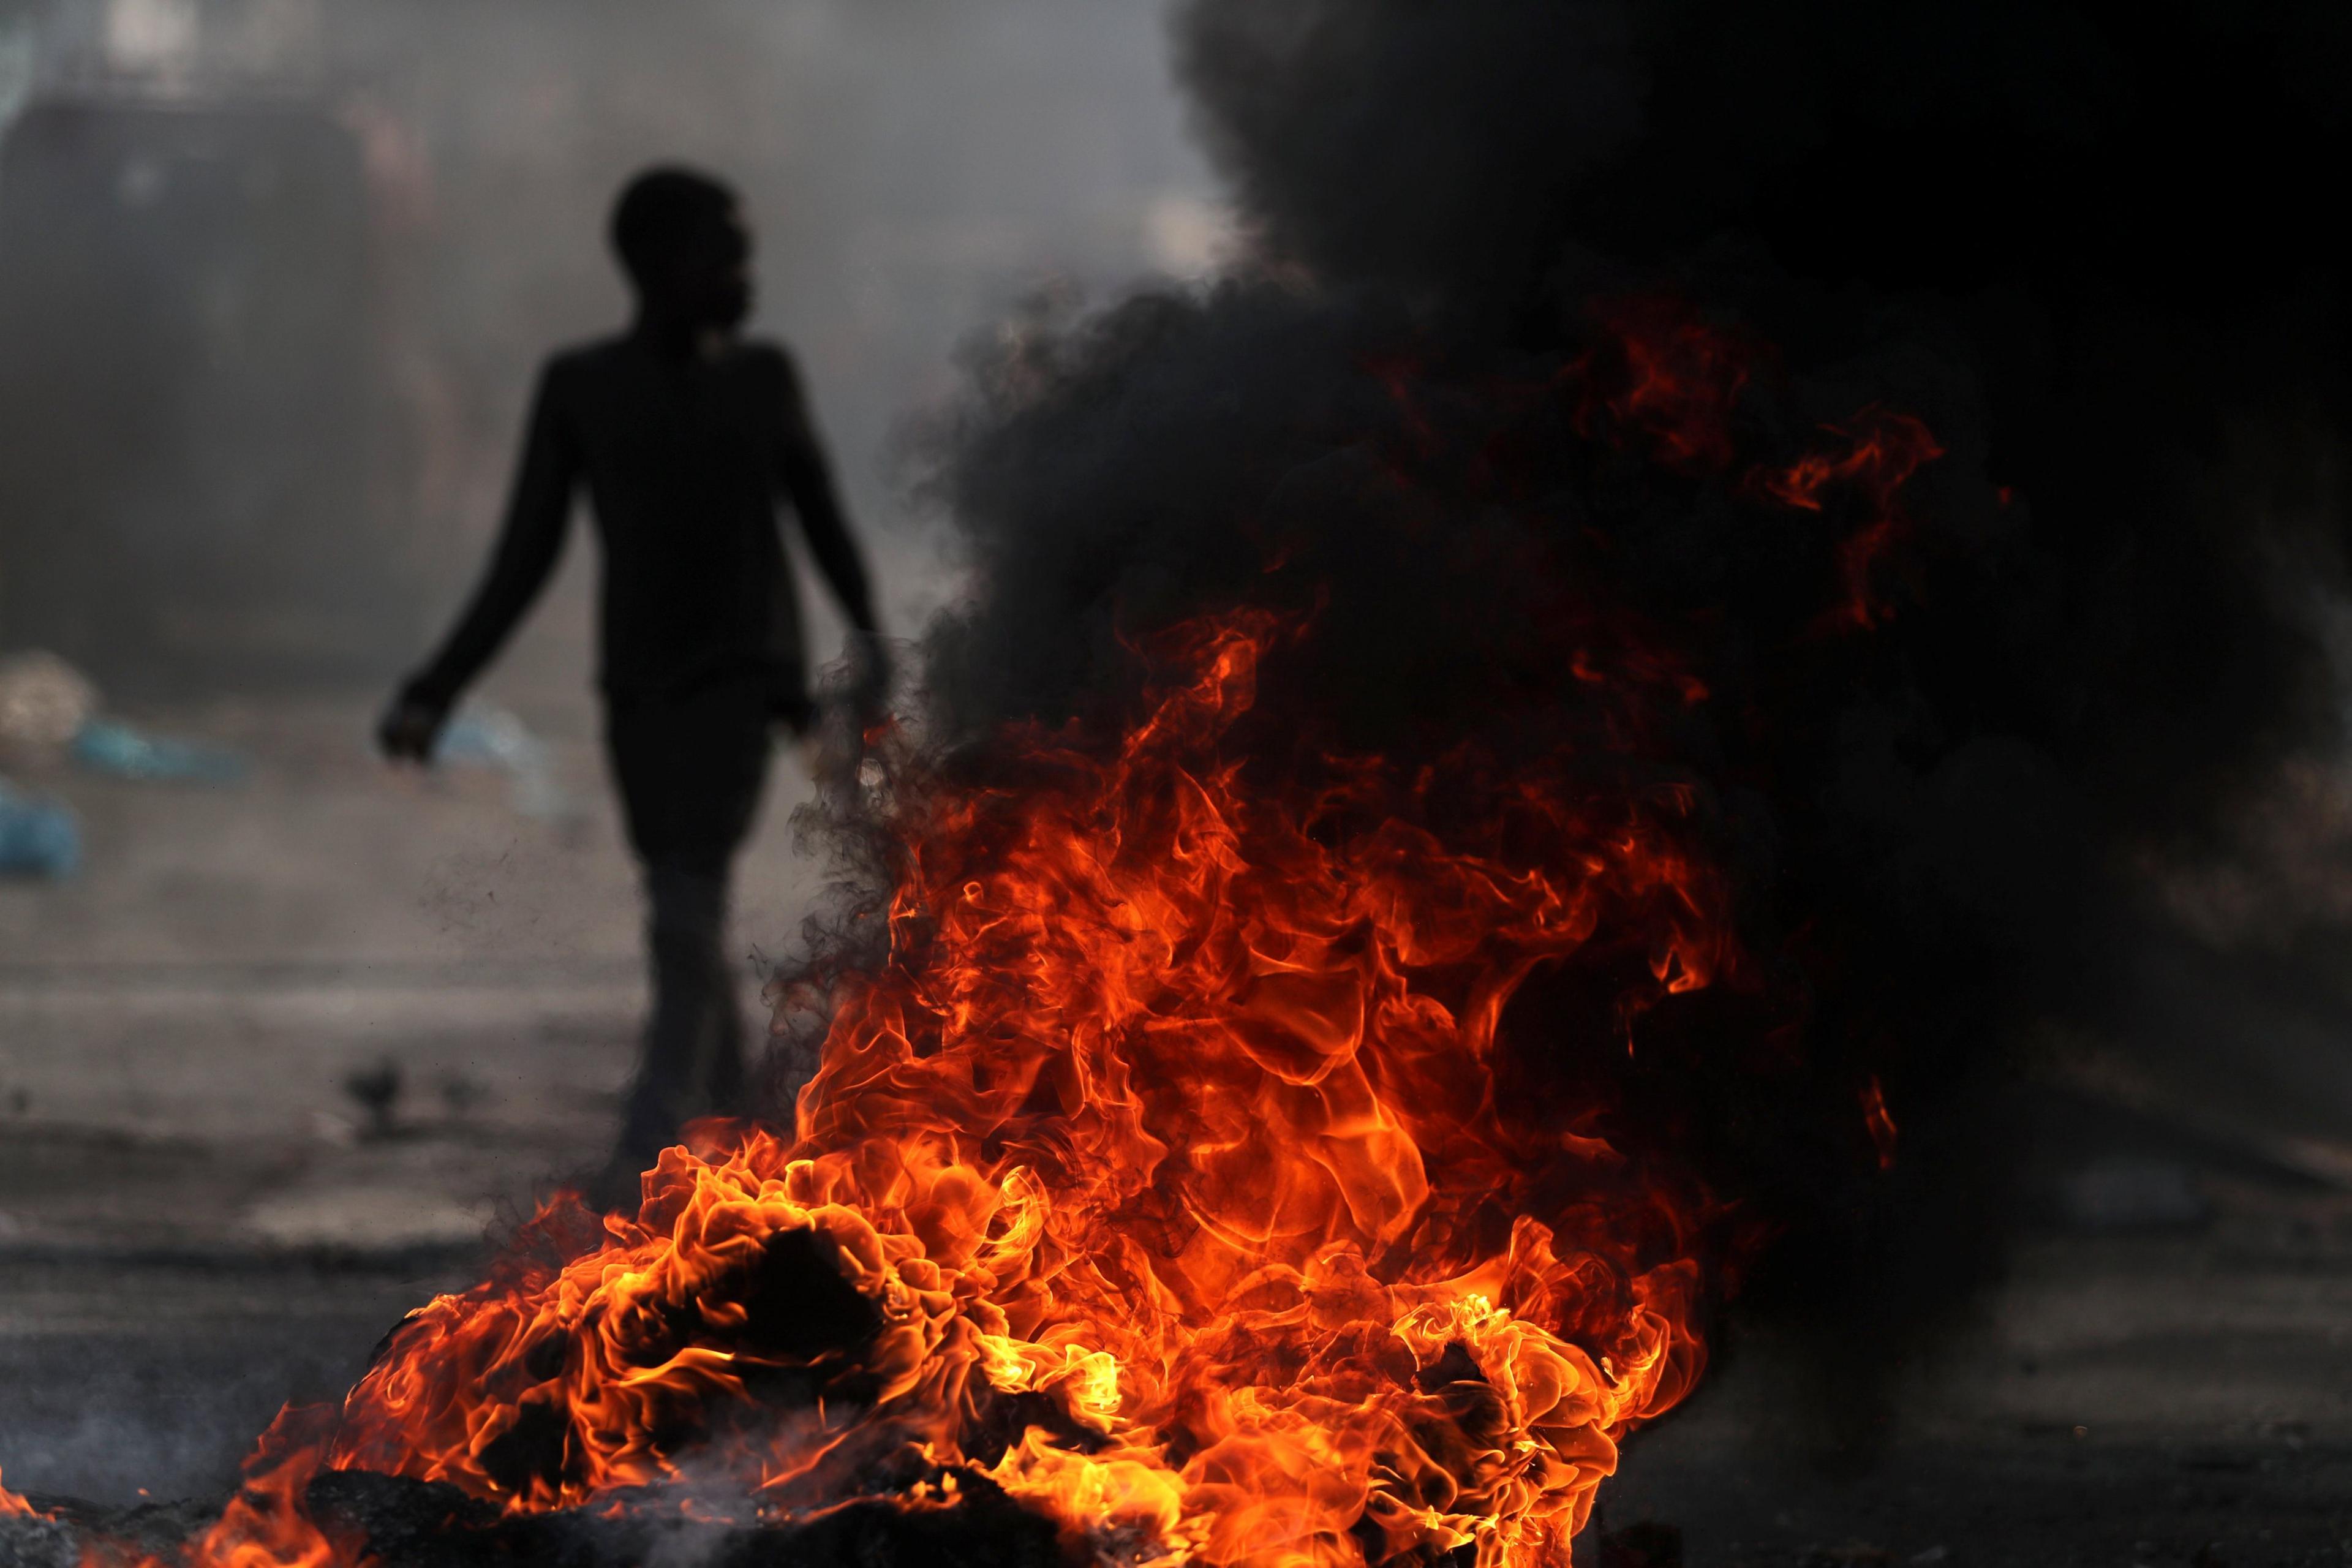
(691,768)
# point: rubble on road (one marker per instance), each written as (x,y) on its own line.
(44,700)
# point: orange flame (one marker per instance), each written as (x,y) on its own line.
(1883,451)
(265,1524)
(1875,1117)
(1166,1173)
(1172,1123)
(1667,373)
(1675,380)
(12,1506)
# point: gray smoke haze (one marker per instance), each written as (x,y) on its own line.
(276,274)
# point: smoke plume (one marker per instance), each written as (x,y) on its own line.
(1395,425)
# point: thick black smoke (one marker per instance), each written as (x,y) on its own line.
(2081,244)
(2115,219)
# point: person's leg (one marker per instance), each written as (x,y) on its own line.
(690,773)
(691,1064)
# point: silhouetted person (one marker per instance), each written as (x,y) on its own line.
(685,435)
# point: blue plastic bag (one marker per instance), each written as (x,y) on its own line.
(38,838)
(111,746)
(485,736)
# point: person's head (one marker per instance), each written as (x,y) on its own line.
(681,239)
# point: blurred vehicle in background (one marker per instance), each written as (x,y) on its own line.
(193,387)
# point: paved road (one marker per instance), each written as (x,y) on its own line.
(178,1024)
(197,1220)
(2129,1398)
(2177,1397)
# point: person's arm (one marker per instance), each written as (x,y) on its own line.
(807,479)
(537,511)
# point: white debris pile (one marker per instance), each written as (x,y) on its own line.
(44,700)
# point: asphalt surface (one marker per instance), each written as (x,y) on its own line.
(2176,1393)
(199,1219)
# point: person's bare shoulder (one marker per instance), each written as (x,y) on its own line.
(773,362)
(580,377)
(576,359)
